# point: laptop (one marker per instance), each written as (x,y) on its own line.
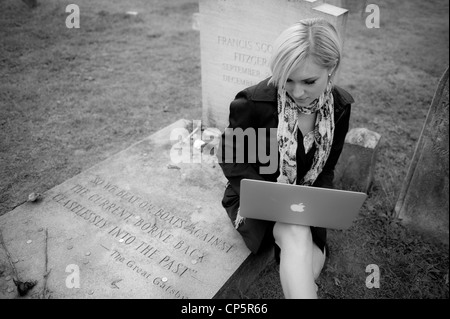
(296,204)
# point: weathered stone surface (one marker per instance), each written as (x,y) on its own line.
(423,201)
(236,39)
(356,166)
(137,225)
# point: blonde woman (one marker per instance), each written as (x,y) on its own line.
(311,117)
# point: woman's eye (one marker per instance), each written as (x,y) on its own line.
(310,82)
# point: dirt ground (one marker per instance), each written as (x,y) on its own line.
(70,98)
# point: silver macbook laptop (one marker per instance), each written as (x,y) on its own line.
(303,205)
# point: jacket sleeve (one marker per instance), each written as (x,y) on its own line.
(326,177)
(234,164)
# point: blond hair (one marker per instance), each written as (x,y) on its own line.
(316,38)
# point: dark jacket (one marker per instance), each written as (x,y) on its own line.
(256,107)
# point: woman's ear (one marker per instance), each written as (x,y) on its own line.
(331,70)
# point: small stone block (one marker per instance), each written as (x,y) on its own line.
(355,168)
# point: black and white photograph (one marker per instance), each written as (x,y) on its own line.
(223,154)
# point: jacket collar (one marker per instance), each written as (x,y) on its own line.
(266,92)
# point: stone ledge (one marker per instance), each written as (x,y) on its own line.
(356,166)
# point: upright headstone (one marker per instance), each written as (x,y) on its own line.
(145,223)
(236,39)
(423,201)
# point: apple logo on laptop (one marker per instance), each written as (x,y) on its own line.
(299,208)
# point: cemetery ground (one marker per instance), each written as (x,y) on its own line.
(70,98)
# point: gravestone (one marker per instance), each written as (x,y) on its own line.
(356,166)
(236,39)
(145,223)
(423,201)
(139,225)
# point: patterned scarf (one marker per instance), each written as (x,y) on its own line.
(287,137)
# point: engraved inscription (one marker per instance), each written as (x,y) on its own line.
(247,58)
(170,245)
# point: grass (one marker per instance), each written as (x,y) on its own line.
(70,98)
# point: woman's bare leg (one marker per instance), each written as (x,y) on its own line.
(300,260)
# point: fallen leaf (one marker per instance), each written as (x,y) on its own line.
(198,144)
(24,287)
(34,197)
(337,282)
(115,282)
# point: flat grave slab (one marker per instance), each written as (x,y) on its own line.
(133,226)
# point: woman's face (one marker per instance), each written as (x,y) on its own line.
(307,82)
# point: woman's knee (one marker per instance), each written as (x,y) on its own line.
(318,261)
(292,235)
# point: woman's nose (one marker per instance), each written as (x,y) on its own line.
(298,91)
